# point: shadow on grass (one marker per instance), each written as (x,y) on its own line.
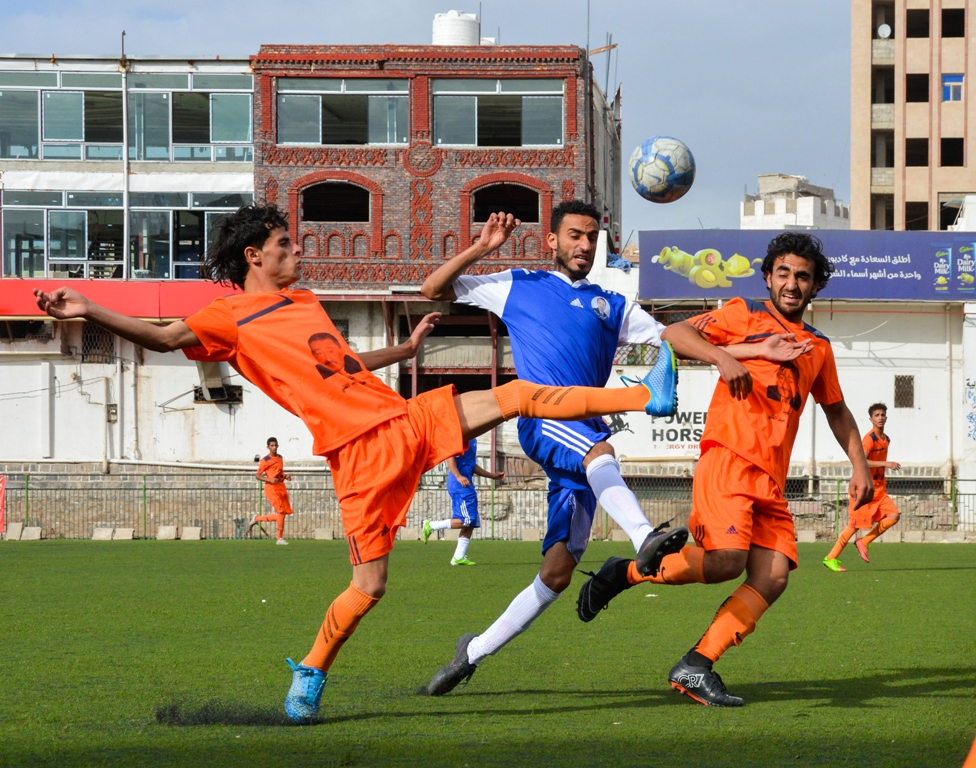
(218,713)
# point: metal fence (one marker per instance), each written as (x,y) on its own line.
(222,505)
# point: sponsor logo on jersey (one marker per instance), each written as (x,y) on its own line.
(731,531)
(576,303)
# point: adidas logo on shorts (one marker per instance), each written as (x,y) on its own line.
(576,303)
(731,531)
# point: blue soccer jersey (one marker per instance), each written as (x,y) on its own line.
(466,463)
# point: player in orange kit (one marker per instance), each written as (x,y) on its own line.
(377,443)
(881,513)
(740,519)
(271,471)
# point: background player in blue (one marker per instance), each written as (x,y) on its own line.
(461,470)
(564,330)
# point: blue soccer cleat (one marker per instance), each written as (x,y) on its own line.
(662,382)
(302,701)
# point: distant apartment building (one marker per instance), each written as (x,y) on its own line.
(791,202)
(912,105)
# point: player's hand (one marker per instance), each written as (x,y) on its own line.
(498,476)
(782,347)
(892,465)
(464,482)
(62,303)
(736,376)
(422,331)
(497,230)
(286,477)
(860,490)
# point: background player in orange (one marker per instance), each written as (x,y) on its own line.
(740,519)
(881,513)
(271,471)
(377,443)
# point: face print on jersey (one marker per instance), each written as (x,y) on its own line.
(786,391)
(601,307)
(328,356)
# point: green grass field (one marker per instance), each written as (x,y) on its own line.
(163,654)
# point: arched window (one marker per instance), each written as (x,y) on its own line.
(335,201)
(521,202)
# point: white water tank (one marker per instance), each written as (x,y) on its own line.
(456,28)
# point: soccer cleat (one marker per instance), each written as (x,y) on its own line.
(447,678)
(702,684)
(835,565)
(461,561)
(862,550)
(602,587)
(657,545)
(426,530)
(307,684)
(282,542)
(662,383)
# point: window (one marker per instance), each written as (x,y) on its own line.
(149,233)
(25,330)
(953,22)
(952,87)
(149,126)
(317,110)
(883,85)
(498,113)
(917,216)
(953,153)
(904,391)
(883,144)
(521,202)
(917,22)
(190,237)
(335,201)
(23,243)
(917,152)
(97,344)
(883,212)
(202,119)
(18,125)
(917,88)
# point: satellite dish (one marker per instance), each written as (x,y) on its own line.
(884,31)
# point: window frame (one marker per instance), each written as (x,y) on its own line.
(953,84)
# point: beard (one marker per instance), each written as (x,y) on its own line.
(564,259)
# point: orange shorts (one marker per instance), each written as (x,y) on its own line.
(277,494)
(377,473)
(736,505)
(880,506)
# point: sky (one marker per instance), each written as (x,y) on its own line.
(752,87)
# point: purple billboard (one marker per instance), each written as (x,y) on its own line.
(723,263)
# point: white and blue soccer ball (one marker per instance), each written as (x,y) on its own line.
(662,169)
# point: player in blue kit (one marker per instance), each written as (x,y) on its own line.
(461,470)
(564,331)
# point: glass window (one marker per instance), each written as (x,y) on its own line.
(103,116)
(202,153)
(230,117)
(18,124)
(952,87)
(233,154)
(542,120)
(335,201)
(23,243)
(149,244)
(94,199)
(191,119)
(64,116)
(223,82)
(456,120)
(388,119)
(84,80)
(19,197)
(105,239)
(299,120)
(29,79)
(222,199)
(345,119)
(179,82)
(499,121)
(62,151)
(190,239)
(158,199)
(373,85)
(66,234)
(530,85)
(309,84)
(103,152)
(465,86)
(149,126)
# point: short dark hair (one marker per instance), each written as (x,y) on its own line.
(248,226)
(805,246)
(323,337)
(877,407)
(271,440)
(571,206)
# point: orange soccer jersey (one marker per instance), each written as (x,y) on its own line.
(881,506)
(876,449)
(276,493)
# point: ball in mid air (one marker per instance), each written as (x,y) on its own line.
(662,169)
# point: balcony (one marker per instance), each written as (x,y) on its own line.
(882,51)
(883,116)
(882,181)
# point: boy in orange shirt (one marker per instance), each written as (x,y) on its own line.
(740,519)
(271,471)
(377,443)
(881,513)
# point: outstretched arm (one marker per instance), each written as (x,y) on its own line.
(688,342)
(778,348)
(439,286)
(842,424)
(381,358)
(67,304)
(490,475)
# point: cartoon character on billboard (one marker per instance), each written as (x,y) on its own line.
(706,269)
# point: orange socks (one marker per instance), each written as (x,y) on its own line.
(845,536)
(341,621)
(522,398)
(735,620)
(684,567)
(879,527)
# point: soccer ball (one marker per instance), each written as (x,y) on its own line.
(662,169)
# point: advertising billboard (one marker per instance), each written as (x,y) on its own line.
(724,263)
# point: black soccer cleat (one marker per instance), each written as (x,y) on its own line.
(702,684)
(447,678)
(658,544)
(602,587)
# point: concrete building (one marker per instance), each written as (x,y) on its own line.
(912,107)
(791,202)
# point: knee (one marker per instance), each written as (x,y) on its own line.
(773,586)
(895,517)
(557,581)
(602,448)
(374,589)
